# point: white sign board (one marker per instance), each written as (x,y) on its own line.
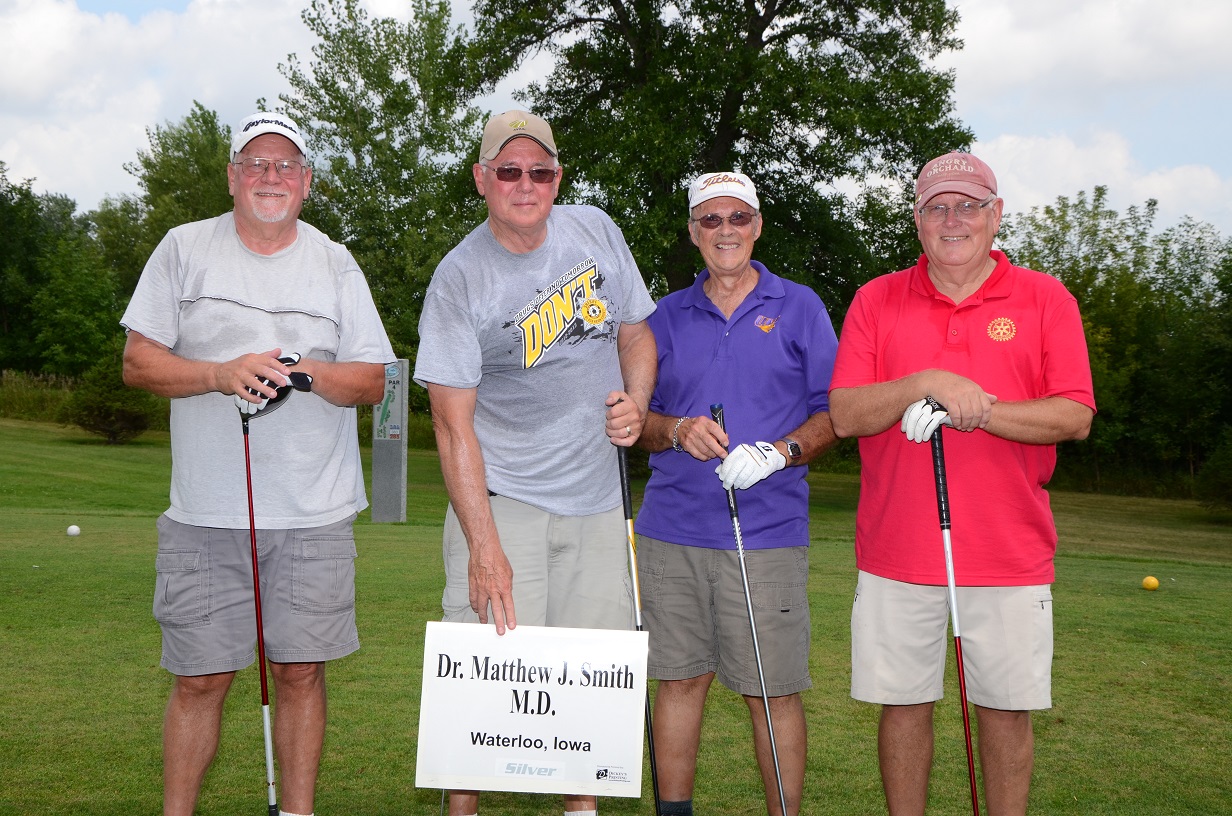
(538,709)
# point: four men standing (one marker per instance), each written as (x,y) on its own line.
(540,347)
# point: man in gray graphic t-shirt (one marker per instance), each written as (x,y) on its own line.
(538,361)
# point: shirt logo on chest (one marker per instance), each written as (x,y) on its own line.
(1002,329)
(766,324)
(570,307)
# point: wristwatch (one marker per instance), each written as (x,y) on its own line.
(793,449)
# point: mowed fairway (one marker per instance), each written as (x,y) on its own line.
(1142,722)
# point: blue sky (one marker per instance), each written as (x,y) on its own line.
(1062,94)
(132,9)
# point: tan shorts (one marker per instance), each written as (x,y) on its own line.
(900,632)
(203,595)
(694,607)
(567,570)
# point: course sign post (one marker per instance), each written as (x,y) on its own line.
(537,710)
(389,447)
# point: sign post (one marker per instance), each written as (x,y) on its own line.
(389,447)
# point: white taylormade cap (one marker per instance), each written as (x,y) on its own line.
(261,123)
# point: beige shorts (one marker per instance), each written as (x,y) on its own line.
(900,632)
(694,607)
(567,570)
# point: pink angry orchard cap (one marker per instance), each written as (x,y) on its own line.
(955,173)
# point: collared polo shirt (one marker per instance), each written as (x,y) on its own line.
(1020,337)
(769,366)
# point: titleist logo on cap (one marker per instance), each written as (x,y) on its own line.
(720,178)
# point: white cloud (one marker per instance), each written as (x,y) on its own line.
(1033,171)
(1130,94)
(78,90)
(1073,48)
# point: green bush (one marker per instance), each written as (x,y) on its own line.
(102,404)
(33,397)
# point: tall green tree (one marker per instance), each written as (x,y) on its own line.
(31,226)
(386,109)
(799,94)
(1154,308)
(75,313)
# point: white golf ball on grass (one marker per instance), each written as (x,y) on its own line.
(73,530)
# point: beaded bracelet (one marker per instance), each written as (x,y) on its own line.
(675,438)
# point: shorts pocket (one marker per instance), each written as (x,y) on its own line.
(179,589)
(779,597)
(791,592)
(324,576)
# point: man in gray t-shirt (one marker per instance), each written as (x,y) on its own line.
(221,308)
(537,360)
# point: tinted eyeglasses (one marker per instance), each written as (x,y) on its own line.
(539,175)
(736,219)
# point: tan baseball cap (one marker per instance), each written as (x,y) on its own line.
(503,128)
(955,173)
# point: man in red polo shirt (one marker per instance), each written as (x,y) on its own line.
(1001,348)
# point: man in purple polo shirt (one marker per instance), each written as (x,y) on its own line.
(764,347)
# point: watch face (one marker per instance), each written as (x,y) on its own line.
(793,449)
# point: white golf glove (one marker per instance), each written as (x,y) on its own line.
(298,381)
(748,464)
(922,418)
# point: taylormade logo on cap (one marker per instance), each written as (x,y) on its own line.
(261,123)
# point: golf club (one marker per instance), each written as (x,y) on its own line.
(256,595)
(716,412)
(625,494)
(302,382)
(943,513)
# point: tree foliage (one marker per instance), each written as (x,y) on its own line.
(75,313)
(1155,310)
(799,94)
(102,404)
(386,110)
(31,226)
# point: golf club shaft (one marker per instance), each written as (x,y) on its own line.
(626,496)
(256,597)
(943,514)
(716,413)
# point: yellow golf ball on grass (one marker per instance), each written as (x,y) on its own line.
(1150,582)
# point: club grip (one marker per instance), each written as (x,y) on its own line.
(716,413)
(622,459)
(943,493)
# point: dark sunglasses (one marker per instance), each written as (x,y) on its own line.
(539,175)
(736,219)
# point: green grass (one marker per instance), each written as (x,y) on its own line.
(1141,680)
